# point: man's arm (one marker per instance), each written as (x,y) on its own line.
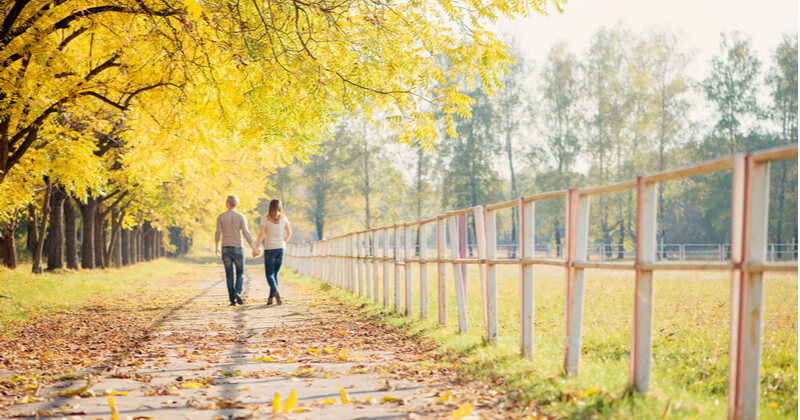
(217,235)
(246,233)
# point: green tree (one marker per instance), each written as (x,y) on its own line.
(670,102)
(732,87)
(782,81)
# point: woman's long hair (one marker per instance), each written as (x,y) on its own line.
(275,211)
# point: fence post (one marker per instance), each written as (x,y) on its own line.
(441,267)
(527,240)
(577,242)
(486,231)
(407,255)
(752,187)
(423,271)
(385,267)
(358,263)
(457,279)
(463,248)
(348,263)
(366,258)
(642,346)
(397,286)
(374,253)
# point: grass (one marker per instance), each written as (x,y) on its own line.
(24,295)
(690,342)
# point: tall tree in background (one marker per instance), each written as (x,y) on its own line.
(782,81)
(513,108)
(324,183)
(732,88)
(561,98)
(608,85)
(670,105)
(469,178)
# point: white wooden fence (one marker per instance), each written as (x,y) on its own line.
(353,262)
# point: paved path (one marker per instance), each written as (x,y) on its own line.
(208,360)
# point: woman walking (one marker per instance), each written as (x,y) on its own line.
(275,231)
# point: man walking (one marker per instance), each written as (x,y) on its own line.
(231,225)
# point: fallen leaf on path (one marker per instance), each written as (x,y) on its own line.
(461,412)
(114,414)
(276,403)
(290,402)
(343,394)
(191,385)
(391,399)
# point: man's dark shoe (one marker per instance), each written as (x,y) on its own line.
(269,301)
(232,304)
(239,299)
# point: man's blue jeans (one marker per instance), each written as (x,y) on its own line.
(272,264)
(233,257)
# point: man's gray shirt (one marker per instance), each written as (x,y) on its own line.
(229,226)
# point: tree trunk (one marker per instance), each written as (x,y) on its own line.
(8,246)
(147,241)
(113,243)
(71,237)
(117,254)
(88,213)
(100,226)
(557,228)
(125,244)
(55,238)
(621,246)
(38,240)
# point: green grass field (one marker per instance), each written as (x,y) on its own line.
(24,295)
(690,342)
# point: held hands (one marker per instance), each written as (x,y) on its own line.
(256,252)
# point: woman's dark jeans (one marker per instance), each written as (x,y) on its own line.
(272,264)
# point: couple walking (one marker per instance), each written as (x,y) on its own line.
(274,231)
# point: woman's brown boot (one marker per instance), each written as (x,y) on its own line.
(278,298)
(269,301)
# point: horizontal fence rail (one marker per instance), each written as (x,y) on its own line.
(353,262)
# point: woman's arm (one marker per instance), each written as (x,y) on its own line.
(261,234)
(287,232)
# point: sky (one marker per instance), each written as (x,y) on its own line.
(698,22)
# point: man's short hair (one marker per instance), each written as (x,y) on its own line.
(232,200)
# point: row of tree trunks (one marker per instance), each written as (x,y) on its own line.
(101,239)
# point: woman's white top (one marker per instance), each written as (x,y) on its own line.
(274,232)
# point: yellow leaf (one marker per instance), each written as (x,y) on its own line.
(191,385)
(290,402)
(300,410)
(461,412)
(193,8)
(389,398)
(276,403)
(263,359)
(445,397)
(328,401)
(343,393)
(114,414)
